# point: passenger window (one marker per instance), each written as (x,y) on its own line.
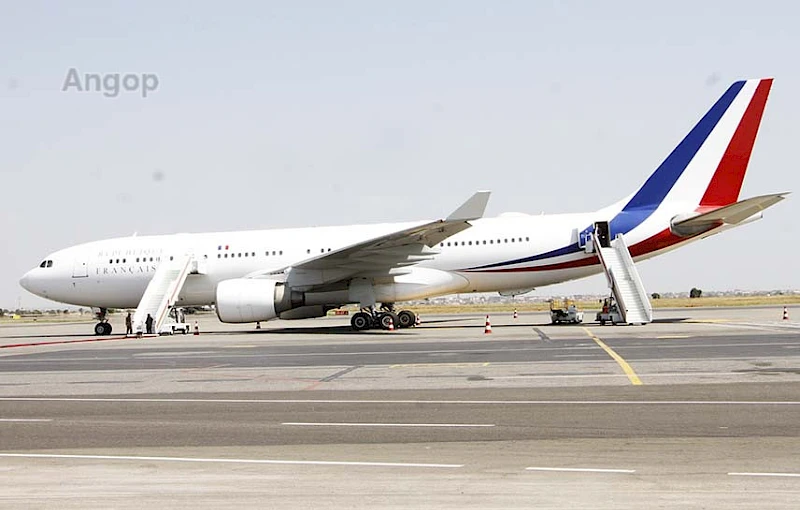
(280,252)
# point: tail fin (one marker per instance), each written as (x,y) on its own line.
(708,166)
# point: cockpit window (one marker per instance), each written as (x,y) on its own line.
(43,264)
(49,263)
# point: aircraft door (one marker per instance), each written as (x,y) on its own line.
(603,234)
(80,268)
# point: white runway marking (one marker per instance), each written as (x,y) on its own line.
(452,425)
(227,461)
(786,475)
(581,470)
(25,420)
(171,353)
(411,402)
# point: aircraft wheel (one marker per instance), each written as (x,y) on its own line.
(361,321)
(385,318)
(100,329)
(406,319)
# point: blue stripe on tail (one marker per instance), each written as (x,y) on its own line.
(652,193)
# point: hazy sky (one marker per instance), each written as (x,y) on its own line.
(273,114)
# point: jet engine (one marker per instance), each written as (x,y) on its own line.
(253,299)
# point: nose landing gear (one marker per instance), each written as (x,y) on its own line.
(103,327)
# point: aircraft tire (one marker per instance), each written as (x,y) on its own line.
(406,319)
(361,321)
(385,317)
(100,329)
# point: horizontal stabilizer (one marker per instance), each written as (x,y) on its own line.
(472,209)
(728,215)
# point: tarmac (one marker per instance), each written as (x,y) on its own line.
(700,409)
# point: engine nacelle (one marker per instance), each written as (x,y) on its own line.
(252,300)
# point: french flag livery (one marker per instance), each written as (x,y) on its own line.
(296,273)
(703,173)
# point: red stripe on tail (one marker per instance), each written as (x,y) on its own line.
(727,181)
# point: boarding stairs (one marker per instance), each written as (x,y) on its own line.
(624,280)
(162,291)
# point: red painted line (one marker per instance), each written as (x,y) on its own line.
(60,342)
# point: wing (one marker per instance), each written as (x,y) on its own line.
(381,256)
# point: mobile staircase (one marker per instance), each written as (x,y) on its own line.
(162,291)
(624,280)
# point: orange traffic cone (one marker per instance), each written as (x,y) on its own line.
(785,313)
(488,328)
(196,328)
(391,323)
(515,313)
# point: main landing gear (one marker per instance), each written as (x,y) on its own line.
(369,318)
(102,327)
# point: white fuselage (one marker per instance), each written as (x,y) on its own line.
(114,273)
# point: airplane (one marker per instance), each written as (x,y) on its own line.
(254,276)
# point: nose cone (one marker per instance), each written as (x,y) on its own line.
(25,281)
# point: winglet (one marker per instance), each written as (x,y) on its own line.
(472,209)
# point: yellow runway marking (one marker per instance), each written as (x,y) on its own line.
(621,362)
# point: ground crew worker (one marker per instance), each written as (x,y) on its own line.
(148,323)
(128,324)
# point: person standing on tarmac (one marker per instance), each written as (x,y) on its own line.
(128,324)
(148,323)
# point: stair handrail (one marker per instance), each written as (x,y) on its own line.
(612,279)
(630,266)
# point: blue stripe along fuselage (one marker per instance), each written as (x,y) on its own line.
(657,186)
